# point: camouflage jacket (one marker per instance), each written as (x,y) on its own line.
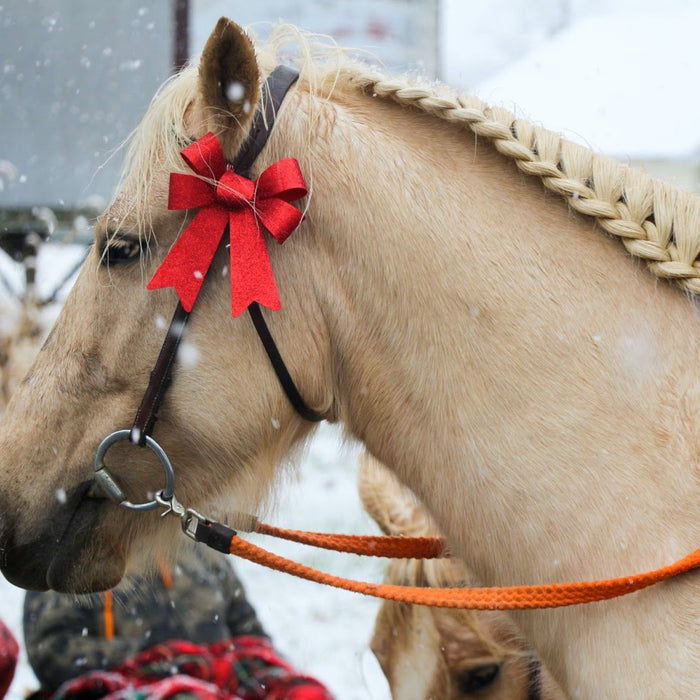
(200,600)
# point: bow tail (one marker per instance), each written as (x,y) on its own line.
(251,272)
(188,261)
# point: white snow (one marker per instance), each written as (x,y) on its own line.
(620,83)
(235,91)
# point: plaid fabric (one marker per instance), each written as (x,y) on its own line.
(240,668)
(8,658)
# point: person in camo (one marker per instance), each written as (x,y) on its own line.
(192,622)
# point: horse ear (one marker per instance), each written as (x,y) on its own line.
(229,84)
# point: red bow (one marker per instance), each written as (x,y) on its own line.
(223,197)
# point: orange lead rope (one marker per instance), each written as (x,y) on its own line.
(398,547)
(555,595)
(492,598)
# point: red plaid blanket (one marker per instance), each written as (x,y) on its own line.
(240,668)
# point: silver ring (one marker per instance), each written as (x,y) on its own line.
(110,487)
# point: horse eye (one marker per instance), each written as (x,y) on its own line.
(477,678)
(121,250)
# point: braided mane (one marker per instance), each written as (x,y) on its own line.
(654,220)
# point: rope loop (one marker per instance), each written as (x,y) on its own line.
(495,598)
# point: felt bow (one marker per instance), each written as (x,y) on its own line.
(226,198)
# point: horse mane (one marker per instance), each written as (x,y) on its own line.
(655,221)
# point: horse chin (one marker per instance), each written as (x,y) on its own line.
(68,555)
(85,570)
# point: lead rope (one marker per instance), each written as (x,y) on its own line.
(227,540)
(108,614)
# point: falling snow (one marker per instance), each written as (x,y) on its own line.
(325,631)
(235,91)
(188,354)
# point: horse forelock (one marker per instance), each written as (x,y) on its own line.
(154,146)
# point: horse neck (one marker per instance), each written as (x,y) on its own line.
(521,373)
(479,325)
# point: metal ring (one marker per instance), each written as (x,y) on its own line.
(115,492)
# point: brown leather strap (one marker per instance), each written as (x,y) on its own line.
(276,87)
(283,376)
(160,378)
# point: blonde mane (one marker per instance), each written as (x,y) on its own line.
(654,220)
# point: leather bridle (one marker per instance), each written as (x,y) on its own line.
(276,87)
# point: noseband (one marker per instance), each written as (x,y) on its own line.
(276,87)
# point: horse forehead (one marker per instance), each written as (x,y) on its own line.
(128,211)
(418,666)
(114,217)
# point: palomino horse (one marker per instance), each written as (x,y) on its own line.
(438,652)
(523,374)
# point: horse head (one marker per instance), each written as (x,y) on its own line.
(88,377)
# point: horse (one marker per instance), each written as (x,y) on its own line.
(456,297)
(19,344)
(430,652)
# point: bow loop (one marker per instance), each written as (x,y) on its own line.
(226,198)
(283,180)
(205,157)
(189,192)
(278,217)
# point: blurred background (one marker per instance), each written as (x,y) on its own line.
(76,76)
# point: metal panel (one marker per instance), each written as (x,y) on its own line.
(400,33)
(75,79)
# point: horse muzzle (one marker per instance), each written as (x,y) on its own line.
(62,551)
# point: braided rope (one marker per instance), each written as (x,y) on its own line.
(369,545)
(654,220)
(502,598)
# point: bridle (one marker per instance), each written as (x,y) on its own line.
(276,87)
